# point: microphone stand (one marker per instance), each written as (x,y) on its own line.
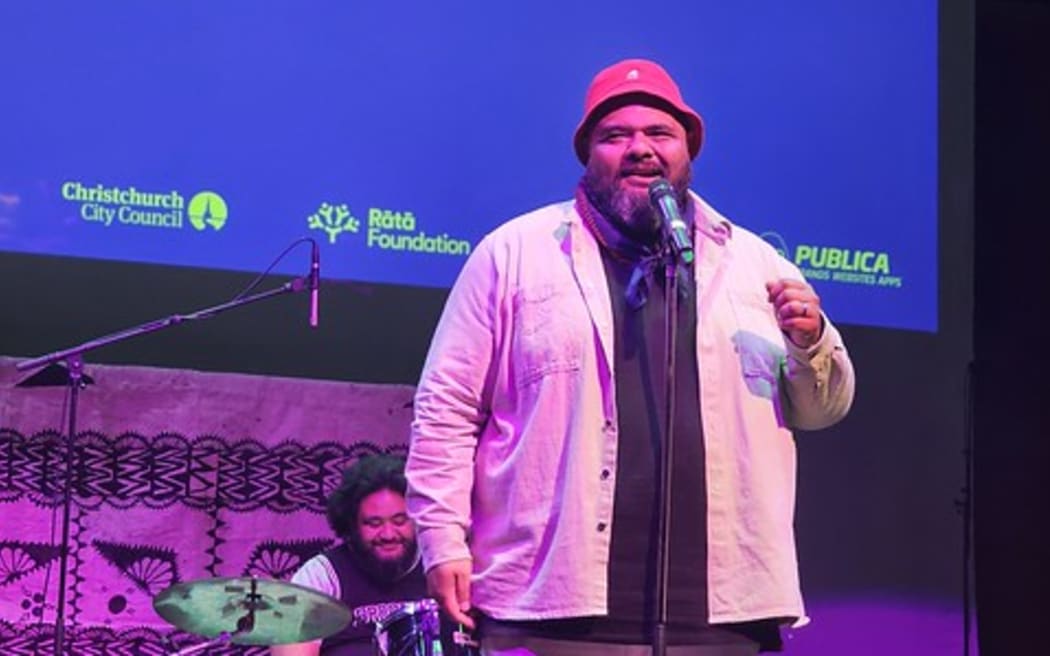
(663,543)
(74,361)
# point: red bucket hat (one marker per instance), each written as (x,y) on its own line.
(636,76)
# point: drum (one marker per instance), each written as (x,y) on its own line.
(418,629)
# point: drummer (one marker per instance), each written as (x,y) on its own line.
(375,567)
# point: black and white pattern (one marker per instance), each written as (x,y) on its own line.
(210,485)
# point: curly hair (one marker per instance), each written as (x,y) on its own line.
(368,475)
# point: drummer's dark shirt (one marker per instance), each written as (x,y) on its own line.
(369,601)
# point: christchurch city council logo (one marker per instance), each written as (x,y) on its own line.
(333,219)
(207,208)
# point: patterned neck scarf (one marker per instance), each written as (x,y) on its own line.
(646,258)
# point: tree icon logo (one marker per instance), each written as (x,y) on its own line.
(333,219)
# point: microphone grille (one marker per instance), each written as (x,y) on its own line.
(659,187)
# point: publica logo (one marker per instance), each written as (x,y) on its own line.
(207,209)
(130,206)
(385,230)
(842,265)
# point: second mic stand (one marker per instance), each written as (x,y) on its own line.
(74,362)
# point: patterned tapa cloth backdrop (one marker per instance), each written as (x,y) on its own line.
(177,476)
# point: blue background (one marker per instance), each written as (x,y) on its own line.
(821,124)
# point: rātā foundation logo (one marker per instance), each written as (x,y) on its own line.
(385,229)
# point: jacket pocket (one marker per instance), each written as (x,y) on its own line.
(548,335)
(758,342)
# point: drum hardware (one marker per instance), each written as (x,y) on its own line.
(418,629)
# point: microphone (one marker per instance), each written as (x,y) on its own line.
(662,197)
(315,281)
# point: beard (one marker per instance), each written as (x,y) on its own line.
(385,570)
(630,210)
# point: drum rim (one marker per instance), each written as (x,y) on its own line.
(408,609)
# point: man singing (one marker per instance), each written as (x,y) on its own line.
(537,444)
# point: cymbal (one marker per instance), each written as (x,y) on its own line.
(252,611)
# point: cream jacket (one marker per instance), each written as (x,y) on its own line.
(513,447)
